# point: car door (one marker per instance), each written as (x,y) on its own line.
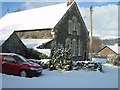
(10,65)
(0,63)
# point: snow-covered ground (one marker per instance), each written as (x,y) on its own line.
(68,79)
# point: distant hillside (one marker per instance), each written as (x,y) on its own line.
(111,41)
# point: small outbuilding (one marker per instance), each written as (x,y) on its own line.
(109,50)
(13,45)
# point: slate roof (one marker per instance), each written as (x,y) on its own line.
(37,18)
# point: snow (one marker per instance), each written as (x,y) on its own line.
(110,37)
(45,60)
(38,18)
(34,43)
(31,43)
(67,79)
(115,48)
(44,51)
(100,60)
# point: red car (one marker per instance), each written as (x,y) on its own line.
(18,65)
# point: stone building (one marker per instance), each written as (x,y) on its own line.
(13,45)
(62,23)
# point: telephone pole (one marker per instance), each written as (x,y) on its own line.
(91,33)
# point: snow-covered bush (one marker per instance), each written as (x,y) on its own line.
(66,68)
(92,66)
(45,63)
(51,65)
(78,65)
(113,59)
(61,58)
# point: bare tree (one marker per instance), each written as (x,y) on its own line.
(97,44)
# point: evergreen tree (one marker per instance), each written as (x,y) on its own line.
(61,58)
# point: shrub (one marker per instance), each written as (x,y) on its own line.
(113,59)
(30,53)
(93,66)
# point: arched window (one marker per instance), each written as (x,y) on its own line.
(74,25)
(74,19)
(79,47)
(74,47)
(78,28)
(68,43)
(70,26)
(74,22)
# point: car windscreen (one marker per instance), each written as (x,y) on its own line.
(20,58)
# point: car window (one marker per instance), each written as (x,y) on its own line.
(8,59)
(20,58)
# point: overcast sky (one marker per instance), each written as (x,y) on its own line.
(105,13)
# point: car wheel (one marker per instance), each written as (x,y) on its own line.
(40,73)
(23,73)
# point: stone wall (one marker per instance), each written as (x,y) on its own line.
(14,45)
(39,34)
(72,32)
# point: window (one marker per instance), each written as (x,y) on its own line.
(74,22)
(78,28)
(79,48)
(74,19)
(20,58)
(8,59)
(74,47)
(70,26)
(74,26)
(68,43)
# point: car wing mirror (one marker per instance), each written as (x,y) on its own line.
(14,62)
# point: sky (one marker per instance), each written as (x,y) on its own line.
(105,13)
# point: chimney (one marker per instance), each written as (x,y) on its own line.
(69,2)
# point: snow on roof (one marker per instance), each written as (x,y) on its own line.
(31,43)
(116,49)
(44,51)
(38,18)
(34,43)
(82,12)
